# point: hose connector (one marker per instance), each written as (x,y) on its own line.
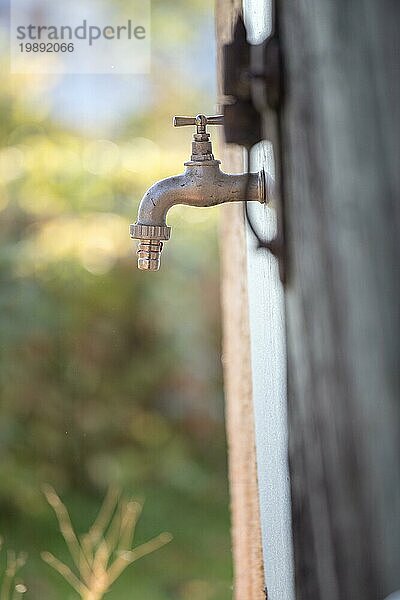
(149,255)
(150,245)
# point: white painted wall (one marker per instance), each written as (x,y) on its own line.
(266,306)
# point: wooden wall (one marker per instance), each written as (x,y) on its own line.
(341,170)
(340,136)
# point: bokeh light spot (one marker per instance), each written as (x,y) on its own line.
(11,163)
(101,157)
(140,154)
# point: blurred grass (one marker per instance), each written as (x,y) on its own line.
(109,375)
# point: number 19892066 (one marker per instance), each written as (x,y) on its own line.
(46,47)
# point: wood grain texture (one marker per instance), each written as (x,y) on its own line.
(341,124)
(246,532)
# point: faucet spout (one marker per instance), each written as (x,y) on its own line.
(201,185)
(198,186)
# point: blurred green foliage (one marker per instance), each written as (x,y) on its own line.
(109,375)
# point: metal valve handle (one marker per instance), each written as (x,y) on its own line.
(201,121)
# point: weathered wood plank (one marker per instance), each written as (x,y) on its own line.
(246,533)
(341,168)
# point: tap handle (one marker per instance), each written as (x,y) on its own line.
(215,120)
(200,121)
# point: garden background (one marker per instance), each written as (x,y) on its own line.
(110,376)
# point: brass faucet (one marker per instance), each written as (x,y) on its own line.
(202,184)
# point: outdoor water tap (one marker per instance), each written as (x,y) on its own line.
(202,184)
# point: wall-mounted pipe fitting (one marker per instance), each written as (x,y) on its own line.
(202,184)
